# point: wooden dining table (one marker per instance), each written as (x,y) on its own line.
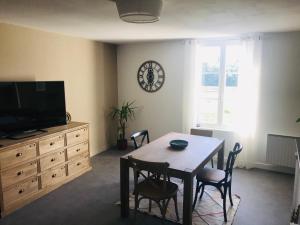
(184,164)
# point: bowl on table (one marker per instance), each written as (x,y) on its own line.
(178,144)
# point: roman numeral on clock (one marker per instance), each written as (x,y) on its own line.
(148,72)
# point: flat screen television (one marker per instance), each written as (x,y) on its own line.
(27,106)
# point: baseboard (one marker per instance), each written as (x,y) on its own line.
(270,167)
(102,149)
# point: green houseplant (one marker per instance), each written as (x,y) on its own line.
(122,115)
(298,120)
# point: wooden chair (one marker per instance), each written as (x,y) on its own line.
(156,186)
(205,133)
(218,178)
(144,134)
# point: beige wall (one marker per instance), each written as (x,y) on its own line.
(161,112)
(87,67)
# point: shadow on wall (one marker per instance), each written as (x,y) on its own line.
(106,93)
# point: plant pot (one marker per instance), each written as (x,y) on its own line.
(122,144)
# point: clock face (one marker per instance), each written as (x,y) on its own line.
(151,76)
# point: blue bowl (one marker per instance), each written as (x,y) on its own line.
(178,144)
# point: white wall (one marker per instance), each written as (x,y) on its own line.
(161,112)
(279,105)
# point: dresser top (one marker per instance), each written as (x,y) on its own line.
(5,142)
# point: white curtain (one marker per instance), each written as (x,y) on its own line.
(245,117)
(189,101)
(244,124)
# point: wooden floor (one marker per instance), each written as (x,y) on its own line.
(89,200)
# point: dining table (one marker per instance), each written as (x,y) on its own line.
(183,164)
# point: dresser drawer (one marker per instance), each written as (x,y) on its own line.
(18,174)
(78,165)
(18,155)
(53,176)
(77,150)
(77,136)
(52,160)
(51,144)
(20,190)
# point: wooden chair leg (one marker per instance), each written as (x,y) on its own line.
(150,205)
(196,194)
(176,207)
(161,208)
(224,203)
(230,196)
(136,205)
(212,163)
(202,191)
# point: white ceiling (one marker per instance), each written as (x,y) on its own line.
(98,19)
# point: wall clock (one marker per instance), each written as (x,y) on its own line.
(151,76)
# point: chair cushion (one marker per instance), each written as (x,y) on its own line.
(154,189)
(211,175)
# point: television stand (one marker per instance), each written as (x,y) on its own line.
(26,134)
(33,167)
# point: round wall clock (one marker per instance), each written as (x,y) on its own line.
(151,76)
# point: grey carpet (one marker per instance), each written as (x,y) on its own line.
(88,200)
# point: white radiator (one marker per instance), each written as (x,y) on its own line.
(281,150)
(228,136)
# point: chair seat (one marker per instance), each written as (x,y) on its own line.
(153,189)
(211,175)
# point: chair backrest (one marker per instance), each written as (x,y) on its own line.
(142,135)
(156,170)
(231,159)
(202,132)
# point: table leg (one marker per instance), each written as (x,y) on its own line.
(220,165)
(124,187)
(187,199)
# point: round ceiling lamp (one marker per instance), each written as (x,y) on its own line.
(139,11)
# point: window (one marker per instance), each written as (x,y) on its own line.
(218,67)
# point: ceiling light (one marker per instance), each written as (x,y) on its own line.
(139,11)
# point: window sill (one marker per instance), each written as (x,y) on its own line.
(215,128)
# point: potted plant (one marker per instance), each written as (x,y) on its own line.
(122,115)
(298,120)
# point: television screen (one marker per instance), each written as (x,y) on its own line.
(31,105)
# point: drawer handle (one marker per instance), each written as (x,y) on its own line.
(20,173)
(21,191)
(77,150)
(53,159)
(78,164)
(52,143)
(77,135)
(19,154)
(54,175)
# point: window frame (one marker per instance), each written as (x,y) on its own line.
(222,44)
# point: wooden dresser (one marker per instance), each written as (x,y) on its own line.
(32,167)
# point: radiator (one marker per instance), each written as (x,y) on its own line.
(281,150)
(228,136)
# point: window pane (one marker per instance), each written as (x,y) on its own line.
(208,106)
(232,62)
(209,89)
(210,66)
